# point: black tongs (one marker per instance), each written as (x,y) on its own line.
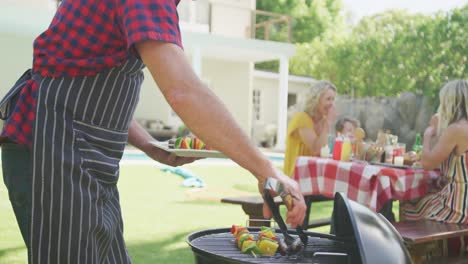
(290,245)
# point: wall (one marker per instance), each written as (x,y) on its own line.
(16,54)
(231,17)
(152,105)
(229,80)
(36,3)
(269,95)
(403,116)
(264,130)
(201,11)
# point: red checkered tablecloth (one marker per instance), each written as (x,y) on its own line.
(370,185)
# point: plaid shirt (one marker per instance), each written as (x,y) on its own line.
(86,37)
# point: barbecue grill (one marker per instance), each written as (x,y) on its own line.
(361,236)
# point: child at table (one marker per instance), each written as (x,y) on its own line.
(450,152)
(347,126)
(350,128)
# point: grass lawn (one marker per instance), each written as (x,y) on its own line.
(159,213)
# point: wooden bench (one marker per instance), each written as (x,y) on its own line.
(426,238)
(448,260)
(253,207)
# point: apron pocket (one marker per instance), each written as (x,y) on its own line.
(101,150)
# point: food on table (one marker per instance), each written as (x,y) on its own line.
(411,157)
(374,152)
(188,143)
(359,134)
(358,146)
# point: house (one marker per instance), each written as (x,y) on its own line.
(217,38)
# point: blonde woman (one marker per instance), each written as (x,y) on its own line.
(450,153)
(308,130)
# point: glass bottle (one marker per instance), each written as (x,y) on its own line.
(417,147)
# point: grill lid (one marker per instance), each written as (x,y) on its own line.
(378,241)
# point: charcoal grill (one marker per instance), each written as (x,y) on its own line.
(361,236)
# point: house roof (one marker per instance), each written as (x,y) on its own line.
(291,78)
(21,20)
(236,49)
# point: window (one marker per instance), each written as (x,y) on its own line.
(292,99)
(256,104)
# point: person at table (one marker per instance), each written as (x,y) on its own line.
(450,152)
(350,128)
(308,130)
(347,126)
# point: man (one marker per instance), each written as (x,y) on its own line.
(72,114)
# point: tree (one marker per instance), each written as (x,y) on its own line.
(310,20)
(389,53)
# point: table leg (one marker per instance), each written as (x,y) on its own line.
(309,199)
(387,211)
(255,213)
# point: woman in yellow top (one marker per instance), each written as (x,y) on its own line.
(308,130)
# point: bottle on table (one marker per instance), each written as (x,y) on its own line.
(417,147)
(346,149)
(325,152)
(336,154)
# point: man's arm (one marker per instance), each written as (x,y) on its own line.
(207,117)
(140,138)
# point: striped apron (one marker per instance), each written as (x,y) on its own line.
(80,132)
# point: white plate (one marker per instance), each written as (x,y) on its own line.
(193,153)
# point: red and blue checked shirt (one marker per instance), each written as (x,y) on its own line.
(86,37)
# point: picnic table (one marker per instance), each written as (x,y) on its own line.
(371,185)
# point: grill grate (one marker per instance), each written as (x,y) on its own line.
(219,247)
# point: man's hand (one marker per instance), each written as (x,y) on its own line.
(165,157)
(140,138)
(296,212)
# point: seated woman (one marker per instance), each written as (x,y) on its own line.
(308,130)
(450,153)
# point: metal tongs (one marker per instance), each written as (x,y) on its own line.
(290,245)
